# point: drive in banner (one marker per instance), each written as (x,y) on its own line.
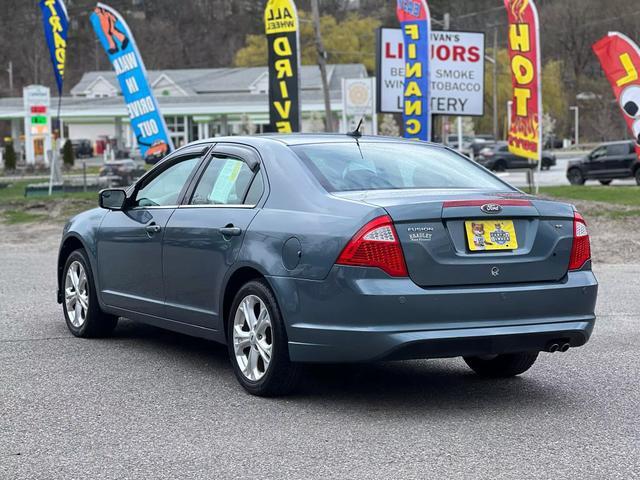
(281,27)
(56,28)
(525,132)
(415,22)
(146,120)
(620,60)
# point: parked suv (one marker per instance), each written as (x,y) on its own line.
(82,148)
(497,157)
(606,163)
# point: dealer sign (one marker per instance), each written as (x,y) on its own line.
(457,72)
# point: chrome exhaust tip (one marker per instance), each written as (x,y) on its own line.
(554,347)
(565,347)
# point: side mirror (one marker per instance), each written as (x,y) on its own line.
(112,198)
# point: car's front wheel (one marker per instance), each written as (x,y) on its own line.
(502,366)
(575,177)
(257,342)
(80,304)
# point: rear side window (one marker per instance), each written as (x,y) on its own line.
(225,182)
(618,149)
(344,167)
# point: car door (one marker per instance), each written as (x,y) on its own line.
(596,166)
(130,241)
(513,161)
(204,235)
(628,161)
(614,163)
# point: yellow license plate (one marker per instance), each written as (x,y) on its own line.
(491,235)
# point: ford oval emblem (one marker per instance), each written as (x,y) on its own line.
(491,208)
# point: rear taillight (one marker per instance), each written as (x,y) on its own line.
(376,245)
(581,249)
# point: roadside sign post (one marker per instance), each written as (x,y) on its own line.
(358,101)
(37,124)
(457,72)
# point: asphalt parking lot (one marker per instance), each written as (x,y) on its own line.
(152,404)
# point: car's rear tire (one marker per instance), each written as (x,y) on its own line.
(637,175)
(257,343)
(502,366)
(80,305)
(605,182)
(575,177)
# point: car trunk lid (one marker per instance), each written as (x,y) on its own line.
(435,240)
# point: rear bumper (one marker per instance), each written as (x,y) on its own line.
(359,315)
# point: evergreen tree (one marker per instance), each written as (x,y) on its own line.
(9,158)
(68,156)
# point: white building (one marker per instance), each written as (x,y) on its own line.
(196,103)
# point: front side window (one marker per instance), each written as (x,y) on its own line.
(599,152)
(226,181)
(344,167)
(164,189)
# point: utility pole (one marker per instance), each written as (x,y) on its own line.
(495,83)
(10,72)
(322,63)
(35,67)
(576,119)
(446,25)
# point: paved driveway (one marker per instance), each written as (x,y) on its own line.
(153,404)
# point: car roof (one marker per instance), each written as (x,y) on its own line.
(292,139)
(617,142)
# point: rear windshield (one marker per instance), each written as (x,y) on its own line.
(342,167)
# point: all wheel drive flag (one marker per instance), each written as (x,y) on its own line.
(525,131)
(281,28)
(620,60)
(56,26)
(415,21)
(146,120)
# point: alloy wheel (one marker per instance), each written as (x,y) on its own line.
(252,337)
(76,294)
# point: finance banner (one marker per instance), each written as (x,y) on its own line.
(147,122)
(281,27)
(620,60)
(56,28)
(525,132)
(415,23)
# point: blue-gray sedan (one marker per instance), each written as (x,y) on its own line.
(332,248)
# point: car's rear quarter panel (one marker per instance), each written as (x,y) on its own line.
(299,208)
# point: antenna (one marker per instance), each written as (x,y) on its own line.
(357,133)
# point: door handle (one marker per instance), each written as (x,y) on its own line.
(153,228)
(230,231)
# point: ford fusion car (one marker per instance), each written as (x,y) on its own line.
(332,248)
